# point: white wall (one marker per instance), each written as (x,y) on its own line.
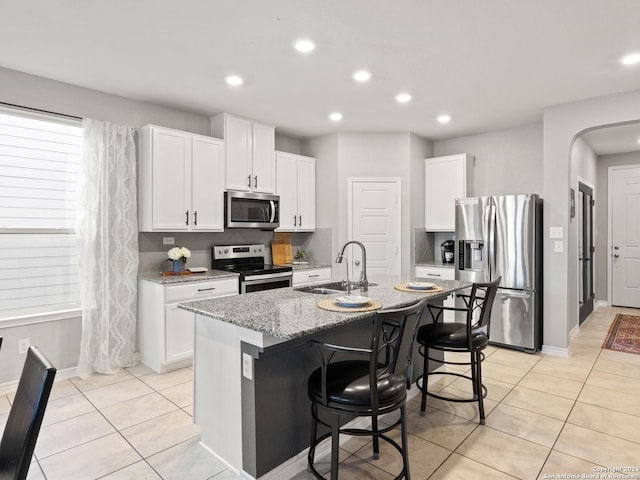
(583,168)
(602,215)
(348,155)
(506,161)
(562,124)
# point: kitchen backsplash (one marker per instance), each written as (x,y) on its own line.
(153,254)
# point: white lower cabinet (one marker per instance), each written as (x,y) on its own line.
(310,276)
(165,331)
(440,273)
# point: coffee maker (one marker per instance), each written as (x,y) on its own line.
(446,248)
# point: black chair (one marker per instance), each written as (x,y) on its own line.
(373,385)
(470,337)
(25,417)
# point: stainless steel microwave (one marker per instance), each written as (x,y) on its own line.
(251,210)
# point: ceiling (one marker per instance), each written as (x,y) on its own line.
(490,64)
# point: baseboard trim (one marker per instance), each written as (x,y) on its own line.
(11,387)
(556,351)
(602,303)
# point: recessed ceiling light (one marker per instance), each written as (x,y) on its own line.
(335,116)
(630,59)
(361,76)
(444,119)
(234,80)
(403,97)
(304,45)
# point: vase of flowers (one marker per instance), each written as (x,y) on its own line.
(178,257)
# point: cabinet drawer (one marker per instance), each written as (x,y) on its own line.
(304,277)
(205,289)
(436,273)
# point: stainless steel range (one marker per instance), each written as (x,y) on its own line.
(248,261)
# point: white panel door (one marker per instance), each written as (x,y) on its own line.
(238,144)
(264,162)
(207,180)
(306,194)
(286,188)
(625,229)
(171,179)
(375,221)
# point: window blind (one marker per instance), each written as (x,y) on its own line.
(39,160)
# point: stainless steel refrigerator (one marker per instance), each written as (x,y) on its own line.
(502,236)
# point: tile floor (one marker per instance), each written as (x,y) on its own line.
(547,416)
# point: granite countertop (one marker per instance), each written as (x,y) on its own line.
(194,277)
(435,263)
(307,266)
(287,314)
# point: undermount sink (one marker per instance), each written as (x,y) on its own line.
(331,288)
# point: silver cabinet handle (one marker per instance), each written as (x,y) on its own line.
(195,217)
(255,182)
(206,289)
(433,275)
(294,221)
(314,276)
(299,220)
(249,181)
(187,220)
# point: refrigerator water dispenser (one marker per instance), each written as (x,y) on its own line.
(471,255)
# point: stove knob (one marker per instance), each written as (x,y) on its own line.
(226,250)
(219,250)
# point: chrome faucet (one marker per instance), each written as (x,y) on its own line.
(363,283)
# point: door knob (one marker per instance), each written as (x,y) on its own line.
(615,255)
(357,262)
(616,247)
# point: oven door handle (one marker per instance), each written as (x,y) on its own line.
(266,276)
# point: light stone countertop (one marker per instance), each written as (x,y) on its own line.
(287,314)
(309,266)
(435,263)
(194,277)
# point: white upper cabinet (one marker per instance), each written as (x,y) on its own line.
(249,157)
(181,181)
(446,178)
(296,186)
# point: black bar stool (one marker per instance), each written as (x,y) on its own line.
(370,386)
(470,337)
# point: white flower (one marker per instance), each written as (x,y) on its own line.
(179,253)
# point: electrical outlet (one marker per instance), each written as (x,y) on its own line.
(247,366)
(168,240)
(23,346)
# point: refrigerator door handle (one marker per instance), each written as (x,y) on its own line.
(492,242)
(486,225)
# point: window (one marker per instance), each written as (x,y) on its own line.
(39,159)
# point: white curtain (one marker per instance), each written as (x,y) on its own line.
(107,233)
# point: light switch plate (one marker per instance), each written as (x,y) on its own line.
(555,232)
(558,246)
(168,240)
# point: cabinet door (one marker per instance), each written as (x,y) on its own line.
(311,276)
(286,188)
(207,181)
(179,333)
(306,194)
(445,180)
(171,177)
(264,169)
(237,138)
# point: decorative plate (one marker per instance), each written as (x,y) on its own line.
(421,286)
(352,301)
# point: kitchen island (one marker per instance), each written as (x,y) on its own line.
(251,364)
